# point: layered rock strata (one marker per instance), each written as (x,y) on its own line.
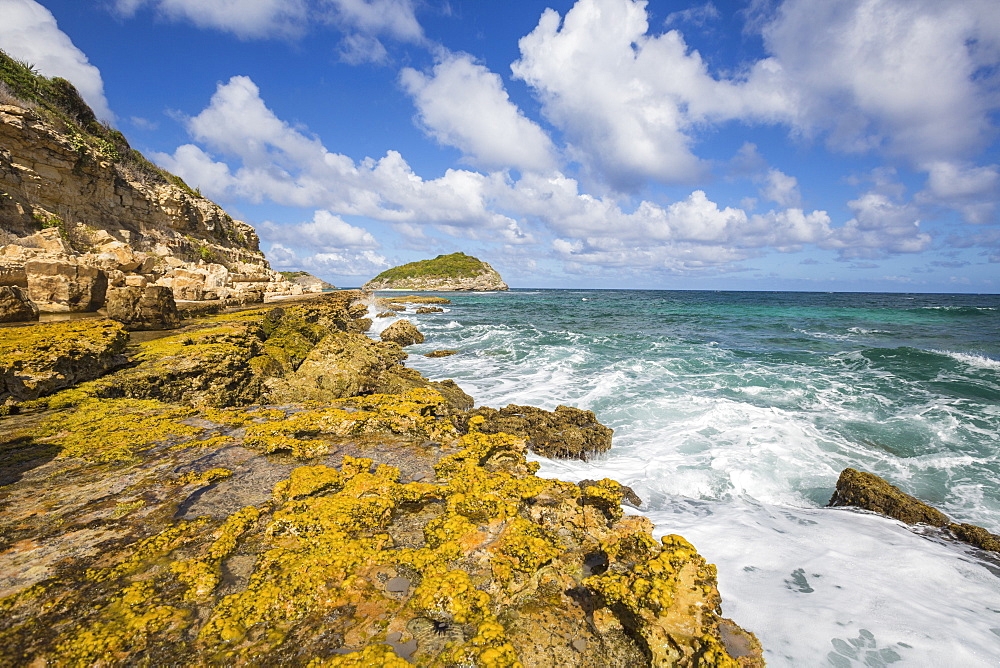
(152,307)
(75,221)
(174,512)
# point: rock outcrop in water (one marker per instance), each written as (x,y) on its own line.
(455,272)
(81,211)
(191,509)
(402,332)
(868,491)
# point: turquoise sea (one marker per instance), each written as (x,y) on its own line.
(734,413)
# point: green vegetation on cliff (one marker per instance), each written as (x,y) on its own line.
(57,100)
(456,265)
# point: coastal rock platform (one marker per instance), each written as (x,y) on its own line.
(195,507)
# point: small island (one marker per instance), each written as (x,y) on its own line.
(445,273)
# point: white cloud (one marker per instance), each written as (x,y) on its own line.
(698,15)
(244,18)
(325,233)
(274,161)
(463,104)
(629,102)
(880,226)
(391,17)
(287,18)
(28,31)
(974,191)
(357,49)
(280,163)
(781,188)
(364,264)
(903,75)
(361,264)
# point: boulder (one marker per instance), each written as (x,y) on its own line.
(440,353)
(868,491)
(15,305)
(65,286)
(565,433)
(143,308)
(429,309)
(402,332)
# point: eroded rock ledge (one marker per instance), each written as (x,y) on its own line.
(274,487)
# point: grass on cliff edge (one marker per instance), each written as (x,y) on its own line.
(57,99)
(456,265)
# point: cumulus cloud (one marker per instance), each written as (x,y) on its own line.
(325,233)
(781,188)
(244,150)
(904,75)
(282,164)
(361,264)
(880,226)
(29,32)
(463,104)
(974,191)
(629,101)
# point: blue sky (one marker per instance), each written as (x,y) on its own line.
(762,144)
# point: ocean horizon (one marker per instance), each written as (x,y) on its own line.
(735,411)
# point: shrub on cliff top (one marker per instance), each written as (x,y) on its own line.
(456,265)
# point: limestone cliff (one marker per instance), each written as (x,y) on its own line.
(455,272)
(308,282)
(81,211)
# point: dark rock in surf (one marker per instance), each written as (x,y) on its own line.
(868,491)
(565,433)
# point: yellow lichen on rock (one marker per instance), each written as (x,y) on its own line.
(104,430)
(413,413)
(202,575)
(120,629)
(204,477)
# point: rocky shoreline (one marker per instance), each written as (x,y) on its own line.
(274,486)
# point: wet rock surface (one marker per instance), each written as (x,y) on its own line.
(402,332)
(565,432)
(870,492)
(176,512)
